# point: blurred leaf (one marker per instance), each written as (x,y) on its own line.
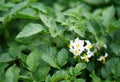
(18,7)
(79,80)
(47,50)
(39,6)
(5,57)
(59,75)
(90,66)
(29,30)
(94,77)
(15,9)
(116,70)
(106,70)
(70,12)
(33,60)
(50,23)
(71,71)
(50,60)
(42,73)
(48,79)
(15,50)
(27,13)
(62,57)
(101,41)
(108,15)
(90,26)
(80,31)
(115,48)
(94,2)
(12,74)
(59,16)
(78,68)
(2,71)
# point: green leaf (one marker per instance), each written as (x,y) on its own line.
(15,50)
(71,71)
(5,57)
(115,48)
(39,6)
(49,55)
(27,13)
(15,9)
(30,29)
(42,73)
(90,66)
(62,57)
(94,2)
(59,75)
(79,30)
(18,7)
(50,23)
(79,80)
(48,79)
(2,71)
(33,60)
(101,41)
(106,70)
(59,16)
(90,26)
(70,12)
(12,74)
(78,68)
(108,15)
(50,60)
(47,50)
(94,77)
(116,70)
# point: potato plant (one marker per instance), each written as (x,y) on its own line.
(59,40)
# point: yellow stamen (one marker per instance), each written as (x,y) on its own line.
(103,59)
(89,46)
(86,59)
(75,52)
(77,45)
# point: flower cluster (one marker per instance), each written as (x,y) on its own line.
(80,47)
(77,47)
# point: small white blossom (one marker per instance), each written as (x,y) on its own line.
(102,58)
(86,57)
(90,53)
(88,45)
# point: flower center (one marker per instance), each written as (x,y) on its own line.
(103,59)
(76,51)
(86,59)
(89,46)
(77,45)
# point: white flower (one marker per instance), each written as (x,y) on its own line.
(90,53)
(105,46)
(102,58)
(86,57)
(88,45)
(76,47)
(79,43)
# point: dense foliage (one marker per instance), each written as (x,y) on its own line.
(35,34)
